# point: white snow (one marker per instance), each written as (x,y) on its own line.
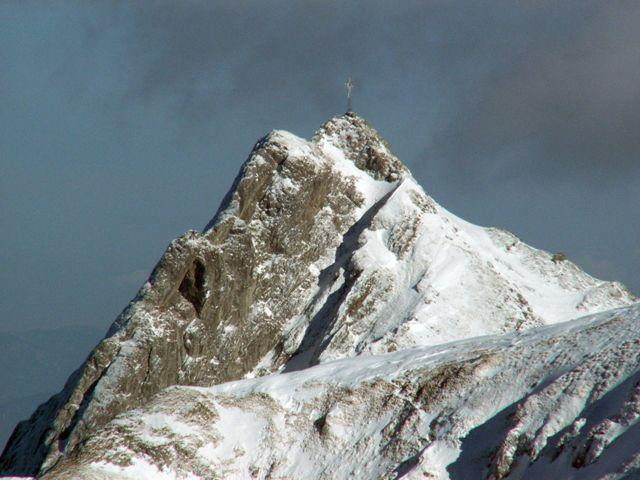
(139,469)
(267,424)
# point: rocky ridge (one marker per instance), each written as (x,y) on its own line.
(555,402)
(322,250)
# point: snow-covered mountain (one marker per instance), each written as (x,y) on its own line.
(566,396)
(392,340)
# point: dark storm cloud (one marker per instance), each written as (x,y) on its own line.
(541,89)
(208,55)
(569,105)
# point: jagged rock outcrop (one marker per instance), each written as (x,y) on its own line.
(321,250)
(545,404)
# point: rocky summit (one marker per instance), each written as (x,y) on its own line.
(332,321)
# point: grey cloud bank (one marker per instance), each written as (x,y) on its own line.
(124,124)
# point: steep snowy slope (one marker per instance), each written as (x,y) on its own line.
(559,402)
(322,249)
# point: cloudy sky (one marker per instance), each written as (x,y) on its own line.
(122,124)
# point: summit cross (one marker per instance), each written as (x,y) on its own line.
(349,86)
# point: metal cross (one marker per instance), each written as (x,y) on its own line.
(349,86)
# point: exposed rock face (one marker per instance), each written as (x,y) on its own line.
(538,405)
(322,249)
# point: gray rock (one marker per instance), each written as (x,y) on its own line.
(193,322)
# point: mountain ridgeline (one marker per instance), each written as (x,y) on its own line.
(333,321)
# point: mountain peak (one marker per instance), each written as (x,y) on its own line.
(363,145)
(322,250)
